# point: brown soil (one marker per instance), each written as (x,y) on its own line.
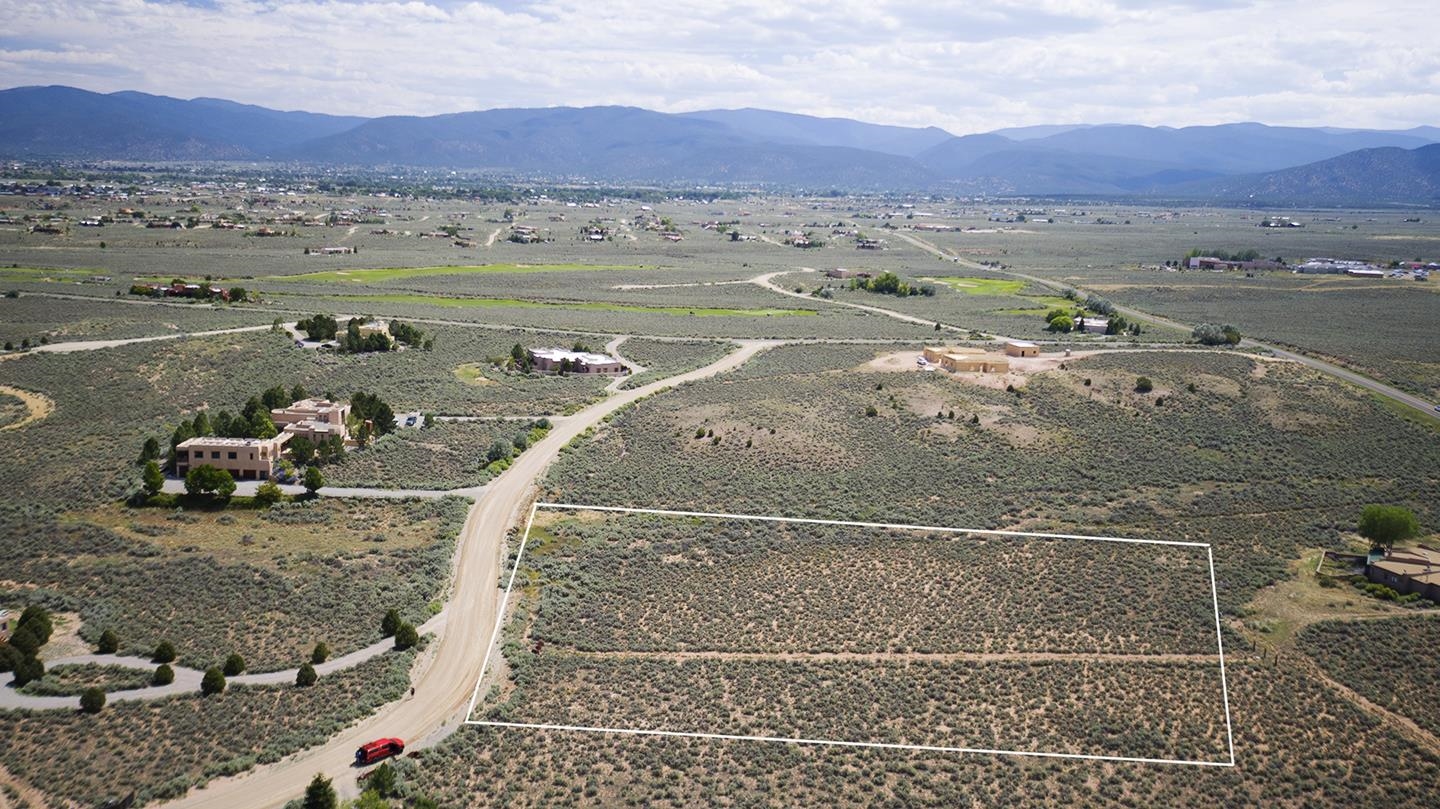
(39,406)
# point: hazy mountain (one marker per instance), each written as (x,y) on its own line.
(1384,176)
(66,122)
(750,146)
(1228,148)
(786,127)
(612,143)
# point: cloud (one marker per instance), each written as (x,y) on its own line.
(966,66)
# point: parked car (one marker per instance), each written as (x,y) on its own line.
(377,750)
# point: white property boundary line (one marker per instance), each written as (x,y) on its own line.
(505,600)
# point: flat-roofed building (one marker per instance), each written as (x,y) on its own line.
(315,419)
(1408,570)
(1021,348)
(554,360)
(244,458)
(968,360)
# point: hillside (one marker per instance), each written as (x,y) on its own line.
(1384,176)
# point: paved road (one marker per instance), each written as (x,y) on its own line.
(187,680)
(446,675)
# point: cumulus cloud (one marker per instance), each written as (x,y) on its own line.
(966,66)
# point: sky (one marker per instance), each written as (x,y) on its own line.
(964,66)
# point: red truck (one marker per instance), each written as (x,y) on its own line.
(378,749)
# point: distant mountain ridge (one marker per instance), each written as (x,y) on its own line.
(739,146)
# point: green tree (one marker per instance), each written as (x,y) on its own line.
(297,393)
(390,623)
(1386,525)
(92,700)
(164,675)
(150,450)
(36,619)
(213,682)
(320,653)
(406,637)
(301,449)
(499,451)
(206,479)
(370,799)
(234,665)
(382,780)
(24,640)
(1144,385)
(320,794)
(268,493)
(28,670)
(10,657)
(164,652)
(109,644)
(306,676)
(152,479)
(313,479)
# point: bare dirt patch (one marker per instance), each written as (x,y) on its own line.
(1021,368)
(65,639)
(38,405)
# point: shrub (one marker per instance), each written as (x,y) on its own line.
(382,780)
(1063,323)
(320,794)
(268,493)
(37,620)
(314,479)
(213,682)
(25,641)
(28,669)
(870,411)
(206,479)
(10,657)
(406,637)
(320,654)
(164,675)
(390,623)
(109,644)
(1144,385)
(164,653)
(92,700)
(306,676)
(234,665)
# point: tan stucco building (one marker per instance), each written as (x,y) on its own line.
(968,360)
(1021,348)
(245,458)
(315,419)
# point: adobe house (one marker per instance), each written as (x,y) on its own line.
(1021,348)
(967,360)
(1408,570)
(5,627)
(315,419)
(243,458)
(553,360)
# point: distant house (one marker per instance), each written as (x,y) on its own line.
(244,458)
(315,419)
(869,244)
(967,360)
(1408,570)
(1021,348)
(555,360)
(5,627)
(1093,325)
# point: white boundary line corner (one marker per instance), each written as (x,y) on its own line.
(525,538)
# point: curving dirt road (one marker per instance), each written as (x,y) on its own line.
(447,672)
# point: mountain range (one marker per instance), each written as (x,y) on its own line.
(1247,162)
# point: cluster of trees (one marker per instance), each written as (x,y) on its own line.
(405,634)
(375,416)
(888,283)
(1239,255)
(319,327)
(253,421)
(20,654)
(1212,335)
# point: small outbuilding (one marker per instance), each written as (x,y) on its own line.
(967,360)
(1021,348)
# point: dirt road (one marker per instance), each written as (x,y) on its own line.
(446,674)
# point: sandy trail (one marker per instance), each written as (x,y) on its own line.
(38,404)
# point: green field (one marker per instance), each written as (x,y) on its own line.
(980,286)
(371,276)
(591,306)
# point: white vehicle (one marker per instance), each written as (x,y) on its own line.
(921,361)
